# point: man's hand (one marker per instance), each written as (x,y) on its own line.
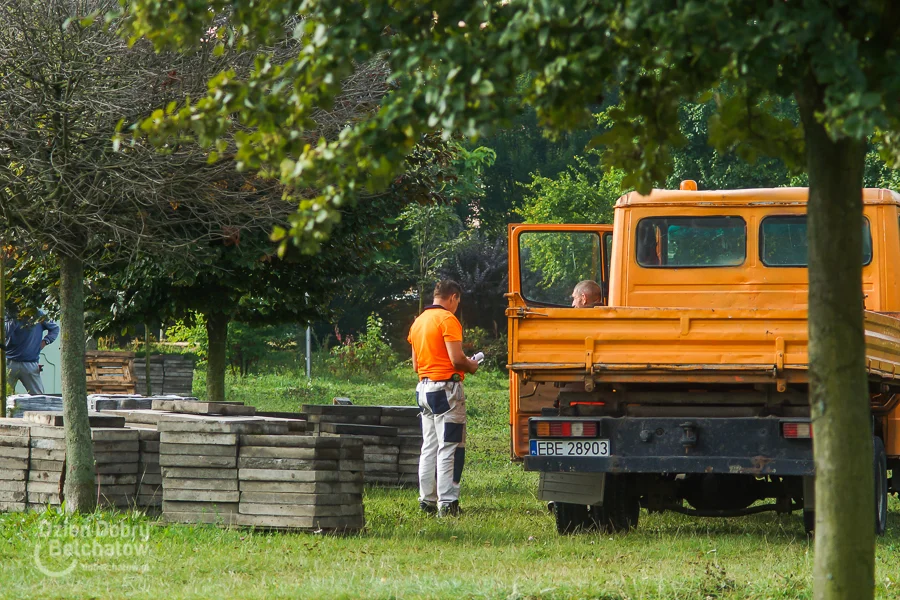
(460,361)
(43,344)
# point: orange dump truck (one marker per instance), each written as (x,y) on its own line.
(686,391)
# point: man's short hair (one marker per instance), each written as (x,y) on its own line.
(447,288)
(589,288)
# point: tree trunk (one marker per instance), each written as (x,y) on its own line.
(217,334)
(842,444)
(2,331)
(149,390)
(80,492)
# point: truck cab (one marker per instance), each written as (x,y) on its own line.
(688,389)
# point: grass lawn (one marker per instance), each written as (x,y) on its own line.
(503,546)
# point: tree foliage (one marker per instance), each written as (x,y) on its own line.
(453,65)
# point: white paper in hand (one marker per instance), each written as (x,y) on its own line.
(479,358)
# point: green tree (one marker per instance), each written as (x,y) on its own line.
(242,280)
(455,63)
(435,233)
(66,80)
(583,193)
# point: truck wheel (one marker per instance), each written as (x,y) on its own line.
(620,509)
(571,518)
(881,485)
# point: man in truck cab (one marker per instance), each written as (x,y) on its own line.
(587,294)
(437,357)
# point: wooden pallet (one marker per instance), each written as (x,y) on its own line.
(109,372)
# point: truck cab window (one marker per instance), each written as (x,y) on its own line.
(552,262)
(679,242)
(783,243)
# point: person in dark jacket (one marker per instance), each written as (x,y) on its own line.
(24,342)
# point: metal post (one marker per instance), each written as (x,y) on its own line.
(308,343)
(308,352)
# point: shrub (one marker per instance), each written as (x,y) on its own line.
(369,355)
(477,339)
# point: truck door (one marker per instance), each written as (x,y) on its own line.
(545,263)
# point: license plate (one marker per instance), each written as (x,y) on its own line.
(569,448)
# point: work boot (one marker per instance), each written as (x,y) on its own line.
(449,509)
(429,508)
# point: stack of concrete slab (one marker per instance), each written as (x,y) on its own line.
(118,402)
(116,453)
(318,414)
(381,446)
(169,374)
(46,465)
(14,451)
(408,421)
(198,460)
(18,404)
(194,407)
(301,482)
(157,374)
(149,476)
(117,459)
(391,436)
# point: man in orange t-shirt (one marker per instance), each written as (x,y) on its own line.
(437,356)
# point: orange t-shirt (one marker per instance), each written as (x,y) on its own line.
(427,335)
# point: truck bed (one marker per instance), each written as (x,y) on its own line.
(680,345)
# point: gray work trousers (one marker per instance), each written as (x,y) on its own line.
(443,455)
(29,373)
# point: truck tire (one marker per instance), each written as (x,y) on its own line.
(620,509)
(571,518)
(881,486)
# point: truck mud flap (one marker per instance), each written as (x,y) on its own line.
(748,446)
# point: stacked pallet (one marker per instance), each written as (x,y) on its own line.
(300,482)
(198,460)
(14,441)
(109,372)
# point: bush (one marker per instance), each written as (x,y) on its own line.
(477,339)
(369,355)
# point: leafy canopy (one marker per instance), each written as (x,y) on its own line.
(453,64)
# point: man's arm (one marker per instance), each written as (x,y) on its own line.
(52,330)
(415,362)
(460,361)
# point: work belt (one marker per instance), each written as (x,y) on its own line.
(455,378)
